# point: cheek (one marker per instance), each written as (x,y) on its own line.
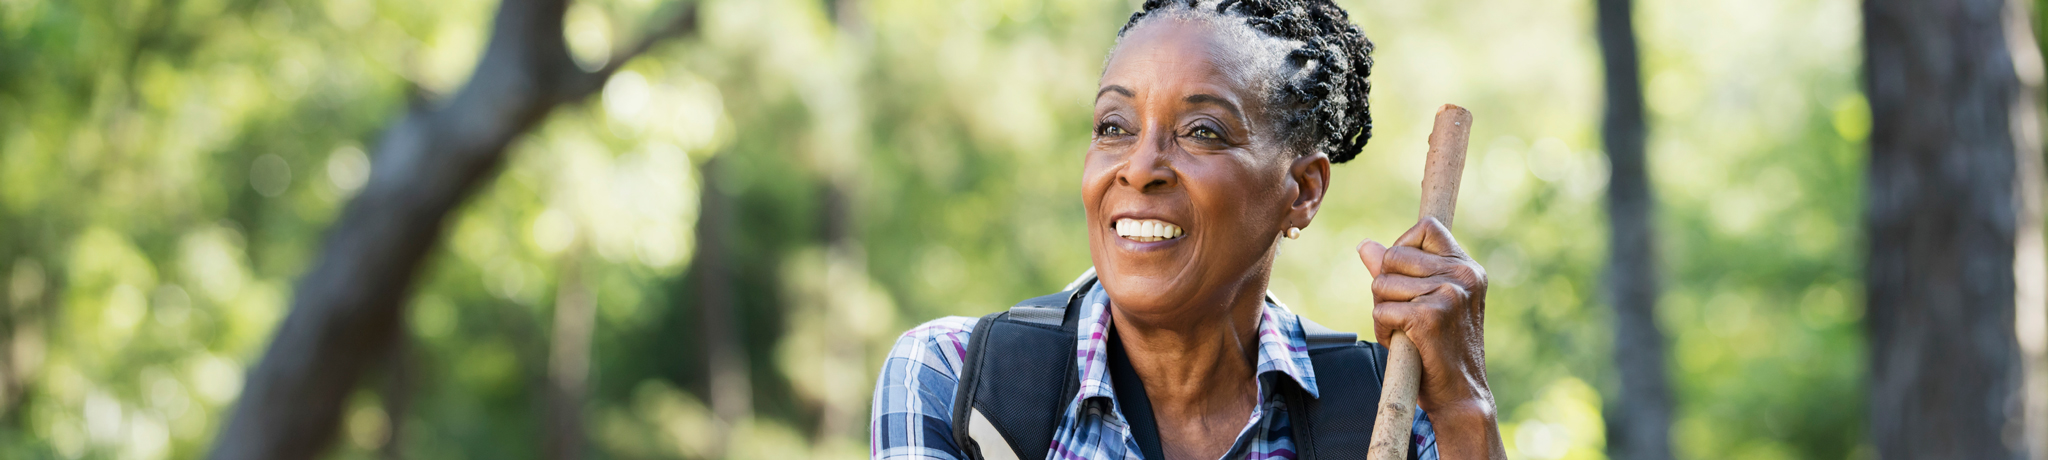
(1097,175)
(1236,198)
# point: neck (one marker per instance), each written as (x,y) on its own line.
(1199,363)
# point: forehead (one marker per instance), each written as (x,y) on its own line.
(1190,51)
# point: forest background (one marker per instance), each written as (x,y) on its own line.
(736,228)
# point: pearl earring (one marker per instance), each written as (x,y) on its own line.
(1293,233)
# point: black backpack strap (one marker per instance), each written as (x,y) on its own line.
(1045,310)
(1320,337)
(964,425)
(1136,406)
(1348,377)
(1006,409)
(1005,406)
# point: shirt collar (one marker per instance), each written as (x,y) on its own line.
(1283,347)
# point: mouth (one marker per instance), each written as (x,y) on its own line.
(1147,230)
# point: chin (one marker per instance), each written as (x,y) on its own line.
(1147,292)
(1149,278)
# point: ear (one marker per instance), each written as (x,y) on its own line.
(1310,177)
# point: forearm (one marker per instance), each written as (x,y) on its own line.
(1469,430)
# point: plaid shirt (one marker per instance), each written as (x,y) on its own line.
(913,406)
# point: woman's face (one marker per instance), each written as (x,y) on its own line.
(1186,189)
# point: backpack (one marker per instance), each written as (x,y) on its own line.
(1008,405)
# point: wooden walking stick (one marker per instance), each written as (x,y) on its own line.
(1447,141)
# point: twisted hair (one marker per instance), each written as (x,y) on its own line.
(1321,105)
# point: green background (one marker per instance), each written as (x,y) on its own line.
(167,170)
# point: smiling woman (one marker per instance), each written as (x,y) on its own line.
(1215,127)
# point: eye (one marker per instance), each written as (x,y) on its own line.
(1110,129)
(1202,132)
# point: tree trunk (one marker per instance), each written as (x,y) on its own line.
(346,310)
(569,359)
(398,387)
(1640,428)
(1941,217)
(842,415)
(2030,262)
(731,393)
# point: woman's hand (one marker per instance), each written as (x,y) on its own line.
(1427,287)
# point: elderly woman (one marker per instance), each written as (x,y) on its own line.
(1215,127)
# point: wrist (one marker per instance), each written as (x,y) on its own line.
(1476,410)
(1468,429)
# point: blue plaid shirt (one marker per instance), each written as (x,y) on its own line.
(913,407)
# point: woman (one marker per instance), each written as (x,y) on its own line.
(1215,127)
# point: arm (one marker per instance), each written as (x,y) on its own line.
(1427,287)
(912,414)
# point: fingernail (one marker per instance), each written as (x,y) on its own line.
(1371,252)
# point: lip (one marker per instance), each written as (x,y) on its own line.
(1140,246)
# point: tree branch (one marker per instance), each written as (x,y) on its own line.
(684,22)
(346,311)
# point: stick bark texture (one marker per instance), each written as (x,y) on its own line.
(346,310)
(1442,171)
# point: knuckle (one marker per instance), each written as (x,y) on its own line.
(1459,295)
(1453,295)
(1471,273)
(1444,298)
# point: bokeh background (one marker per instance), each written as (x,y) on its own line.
(167,169)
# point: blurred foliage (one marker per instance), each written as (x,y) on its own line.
(167,168)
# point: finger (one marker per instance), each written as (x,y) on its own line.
(1388,317)
(1402,288)
(1413,237)
(1371,252)
(1405,260)
(1436,238)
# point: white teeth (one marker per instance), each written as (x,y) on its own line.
(1147,230)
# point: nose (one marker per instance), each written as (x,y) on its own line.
(1149,168)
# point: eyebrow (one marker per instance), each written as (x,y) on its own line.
(1118,89)
(1214,100)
